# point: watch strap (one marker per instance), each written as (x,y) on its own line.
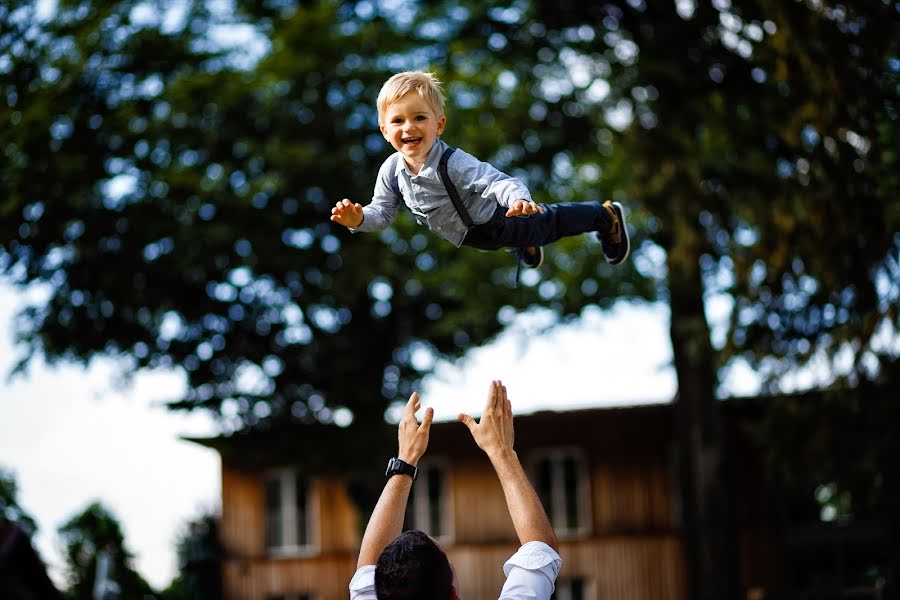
(396,466)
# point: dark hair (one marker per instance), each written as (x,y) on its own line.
(413,567)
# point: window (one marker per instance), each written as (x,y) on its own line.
(288,518)
(561,481)
(428,510)
(572,588)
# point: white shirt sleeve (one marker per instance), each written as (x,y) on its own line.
(362,586)
(530,573)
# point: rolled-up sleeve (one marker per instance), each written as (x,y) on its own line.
(362,586)
(531,572)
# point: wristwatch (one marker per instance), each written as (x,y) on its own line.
(398,467)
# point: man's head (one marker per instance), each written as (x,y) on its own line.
(414,567)
(424,84)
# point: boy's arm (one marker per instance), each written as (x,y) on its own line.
(386,521)
(495,435)
(382,210)
(487,181)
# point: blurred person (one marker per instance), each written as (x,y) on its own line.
(462,199)
(413,566)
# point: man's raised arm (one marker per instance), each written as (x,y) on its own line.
(386,521)
(495,435)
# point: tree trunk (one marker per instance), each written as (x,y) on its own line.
(706,492)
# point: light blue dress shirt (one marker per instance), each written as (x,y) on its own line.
(480,186)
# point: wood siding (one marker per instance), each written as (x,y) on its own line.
(478,505)
(323,577)
(627,548)
(621,567)
(251,573)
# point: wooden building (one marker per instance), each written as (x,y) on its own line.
(291,523)
(605,476)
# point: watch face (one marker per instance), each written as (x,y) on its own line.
(398,467)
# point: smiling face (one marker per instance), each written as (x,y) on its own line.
(411,126)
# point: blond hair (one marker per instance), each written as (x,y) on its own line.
(425,84)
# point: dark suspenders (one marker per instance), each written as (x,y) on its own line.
(448,185)
(451,189)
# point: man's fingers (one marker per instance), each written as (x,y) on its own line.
(467,421)
(503,400)
(427,417)
(492,397)
(412,405)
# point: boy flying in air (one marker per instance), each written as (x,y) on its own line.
(460,198)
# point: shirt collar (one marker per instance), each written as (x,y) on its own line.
(434,157)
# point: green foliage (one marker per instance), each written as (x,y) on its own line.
(199,553)
(178,209)
(174,193)
(85,536)
(10,509)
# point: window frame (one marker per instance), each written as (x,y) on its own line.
(563,589)
(420,503)
(291,546)
(584,508)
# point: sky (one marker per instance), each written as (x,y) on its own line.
(72,435)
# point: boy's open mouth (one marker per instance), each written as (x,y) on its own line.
(412,140)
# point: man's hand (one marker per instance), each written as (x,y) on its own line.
(523,208)
(494,434)
(386,521)
(412,436)
(347,214)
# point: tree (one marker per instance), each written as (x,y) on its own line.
(752,138)
(199,553)
(23,575)
(218,256)
(91,537)
(10,509)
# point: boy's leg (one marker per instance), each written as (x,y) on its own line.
(557,221)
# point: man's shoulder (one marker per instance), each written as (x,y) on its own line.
(362,586)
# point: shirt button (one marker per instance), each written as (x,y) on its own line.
(439,228)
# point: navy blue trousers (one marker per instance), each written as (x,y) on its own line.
(557,221)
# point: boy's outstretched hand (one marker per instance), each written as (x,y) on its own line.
(523,208)
(347,214)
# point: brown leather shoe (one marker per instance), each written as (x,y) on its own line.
(615,242)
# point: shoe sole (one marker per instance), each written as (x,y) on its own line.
(623,226)
(540,260)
